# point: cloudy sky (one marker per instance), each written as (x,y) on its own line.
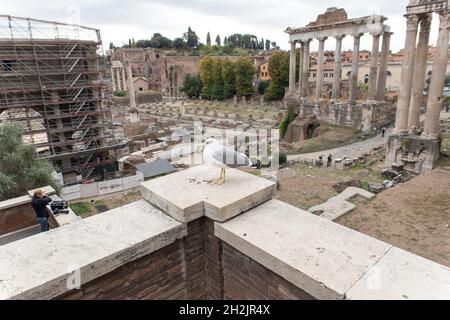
(139,19)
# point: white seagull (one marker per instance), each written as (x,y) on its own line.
(223,157)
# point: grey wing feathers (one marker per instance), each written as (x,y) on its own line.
(230,157)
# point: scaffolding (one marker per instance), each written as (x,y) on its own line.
(51,83)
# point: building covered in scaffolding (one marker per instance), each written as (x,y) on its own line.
(51,83)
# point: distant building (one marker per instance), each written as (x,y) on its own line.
(265,74)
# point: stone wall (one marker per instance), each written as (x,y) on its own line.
(193,240)
(363,116)
(17,218)
(141,98)
(198,267)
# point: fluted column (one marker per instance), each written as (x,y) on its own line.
(124,79)
(113,80)
(292,69)
(131,87)
(420,70)
(355,68)
(382,73)
(401,119)
(305,79)
(300,67)
(119,84)
(374,68)
(319,84)
(431,128)
(337,68)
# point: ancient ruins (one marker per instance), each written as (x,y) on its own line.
(418,148)
(364,115)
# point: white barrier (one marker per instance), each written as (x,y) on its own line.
(82,191)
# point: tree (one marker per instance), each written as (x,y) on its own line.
(111,46)
(207,76)
(179,43)
(218,42)
(263,86)
(208,39)
(217,88)
(191,39)
(267,44)
(159,41)
(192,86)
(244,73)
(229,79)
(225,41)
(279,74)
(274,45)
(20,171)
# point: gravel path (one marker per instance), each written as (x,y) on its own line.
(352,151)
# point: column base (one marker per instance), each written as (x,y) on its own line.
(417,154)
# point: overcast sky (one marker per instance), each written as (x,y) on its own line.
(139,19)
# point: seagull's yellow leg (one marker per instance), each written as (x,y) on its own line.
(222,177)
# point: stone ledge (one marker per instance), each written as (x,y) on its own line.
(401,275)
(24,199)
(320,257)
(38,267)
(187,196)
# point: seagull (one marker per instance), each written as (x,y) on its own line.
(223,157)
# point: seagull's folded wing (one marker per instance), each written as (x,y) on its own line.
(230,157)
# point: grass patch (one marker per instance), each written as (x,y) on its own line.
(80,208)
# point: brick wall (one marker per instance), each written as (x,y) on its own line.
(17,218)
(200,266)
(246,279)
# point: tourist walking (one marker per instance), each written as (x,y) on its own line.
(383,132)
(330,160)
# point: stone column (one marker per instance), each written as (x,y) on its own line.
(420,70)
(124,79)
(292,69)
(401,119)
(382,73)
(113,80)
(305,79)
(319,85)
(337,68)
(355,68)
(300,67)
(131,87)
(119,84)
(373,68)
(431,128)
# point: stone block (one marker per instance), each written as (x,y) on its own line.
(401,275)
(96,245)
(321,257)
(187,195)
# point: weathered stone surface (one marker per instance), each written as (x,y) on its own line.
(402,275)
(337,206)
(187,195)
(97,245)
(322,258)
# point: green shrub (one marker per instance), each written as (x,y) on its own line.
(121,93)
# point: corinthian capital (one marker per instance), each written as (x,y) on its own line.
(444,18)
(412,22)
(425,23)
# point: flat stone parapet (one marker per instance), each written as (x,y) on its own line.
(187,195)
(330,261)
(39,267)
(322,258)
(401,275)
